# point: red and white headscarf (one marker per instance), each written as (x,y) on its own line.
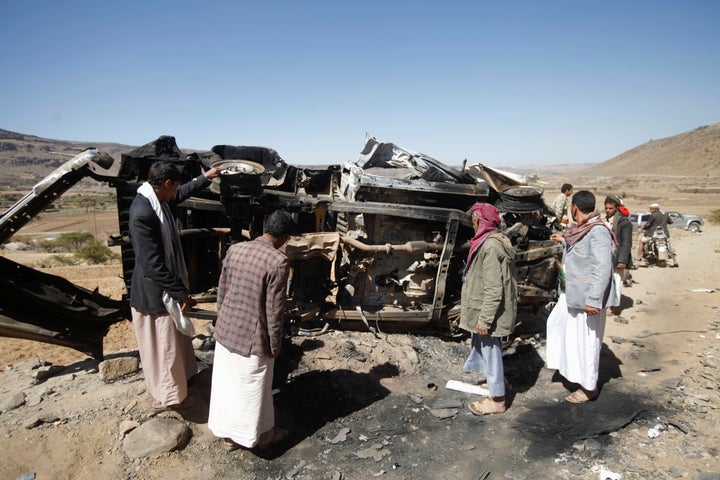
(488,222)
(578,231)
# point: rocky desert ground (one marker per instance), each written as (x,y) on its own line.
(363,406)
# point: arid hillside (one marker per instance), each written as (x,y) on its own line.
(26,159)
(693,153)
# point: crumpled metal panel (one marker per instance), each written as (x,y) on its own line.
(50,188)
(39,306)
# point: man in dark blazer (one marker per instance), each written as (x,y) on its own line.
(166,354)
(623,230)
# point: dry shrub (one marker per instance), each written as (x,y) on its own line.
(714,217)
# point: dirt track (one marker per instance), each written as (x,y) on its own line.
(659,364)
(659,361)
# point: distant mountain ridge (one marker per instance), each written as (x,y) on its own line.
(692,153)
(560,169)
(14,146)
(26,159)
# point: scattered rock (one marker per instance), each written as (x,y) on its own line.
(443,413)
(45,391)
(29,364)
(45,372)
(592,445)
(341,436)
(12,402)
(130,406)
(588,444)
(40,419)
(675,472)
(127,426)
(115,368)
(626,340)
(621,320)
(708,476)
(376,452)
(683,428)
(154,437)
(710,362)
(673,383)
(15,246)
(291,474)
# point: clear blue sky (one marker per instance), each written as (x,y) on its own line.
(505,83)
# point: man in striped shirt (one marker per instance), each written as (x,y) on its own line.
(251,308)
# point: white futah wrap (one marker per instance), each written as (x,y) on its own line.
(574,339)
(241,402)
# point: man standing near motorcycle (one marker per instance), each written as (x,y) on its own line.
(657,219)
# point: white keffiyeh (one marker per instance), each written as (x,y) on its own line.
(173,255)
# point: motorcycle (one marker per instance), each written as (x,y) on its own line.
(658,250)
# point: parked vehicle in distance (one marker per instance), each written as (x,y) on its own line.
(692,223)
(686,222)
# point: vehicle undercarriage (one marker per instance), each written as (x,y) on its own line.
(380,244)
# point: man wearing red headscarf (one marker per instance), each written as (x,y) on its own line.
(489,303)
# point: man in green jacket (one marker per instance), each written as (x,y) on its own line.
(489,303)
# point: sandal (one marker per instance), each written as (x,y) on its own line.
(188,402)
(581,396)
(230,445)
(487,407)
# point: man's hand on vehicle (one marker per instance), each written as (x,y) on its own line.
(213,172)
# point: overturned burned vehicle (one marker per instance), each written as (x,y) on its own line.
(381,241)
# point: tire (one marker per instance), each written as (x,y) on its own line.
(694,227)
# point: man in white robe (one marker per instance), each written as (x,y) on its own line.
(251,309)
(576,325)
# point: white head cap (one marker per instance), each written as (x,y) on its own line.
(655,205)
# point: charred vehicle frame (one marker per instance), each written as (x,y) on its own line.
(381,241)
